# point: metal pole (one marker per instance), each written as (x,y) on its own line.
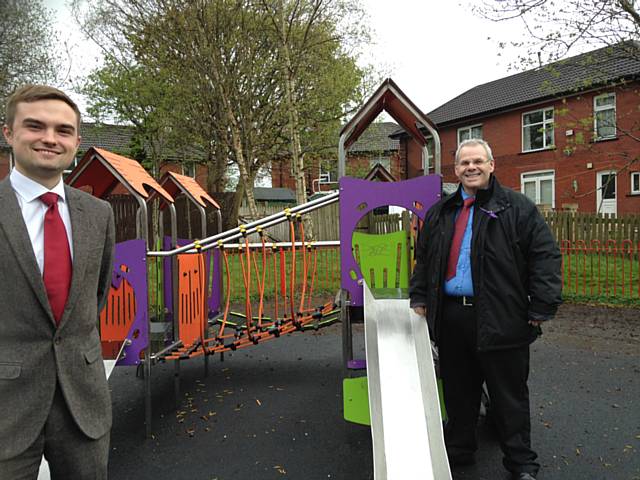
(249,228)
(203,227)
(142,227)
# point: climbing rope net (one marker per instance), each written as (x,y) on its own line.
(279,283)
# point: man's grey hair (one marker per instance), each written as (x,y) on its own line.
(472,142)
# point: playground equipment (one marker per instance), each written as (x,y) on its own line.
(405,426)
(399,392)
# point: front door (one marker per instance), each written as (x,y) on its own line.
(606,197)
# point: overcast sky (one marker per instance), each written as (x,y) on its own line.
(433,50)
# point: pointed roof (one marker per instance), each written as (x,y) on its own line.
(378,172)
(175,183)
(390,98)
(598,68)
(101,170)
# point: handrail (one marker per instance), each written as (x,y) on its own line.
(252,227)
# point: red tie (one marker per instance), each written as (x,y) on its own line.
(458,233)
(57,257)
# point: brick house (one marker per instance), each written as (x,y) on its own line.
(567,134)
(374,147)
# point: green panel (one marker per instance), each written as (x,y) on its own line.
(443,410)
(383,259)
(355,395)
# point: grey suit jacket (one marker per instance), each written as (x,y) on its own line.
(34,354)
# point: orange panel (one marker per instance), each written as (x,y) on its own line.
(191,297)
(116,318)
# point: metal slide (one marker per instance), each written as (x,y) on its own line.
(406,424)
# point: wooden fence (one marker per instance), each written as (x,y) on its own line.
(570,226)
(325,222)
(588,227)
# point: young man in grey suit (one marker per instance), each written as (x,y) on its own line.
(56,251)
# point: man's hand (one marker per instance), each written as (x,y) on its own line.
(422,311)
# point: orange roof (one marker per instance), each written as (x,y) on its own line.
(175,183)
(109,170)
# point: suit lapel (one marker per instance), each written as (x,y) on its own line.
(12,224)
(80,231)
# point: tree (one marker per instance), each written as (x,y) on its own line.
(219,66)
(27,45)
(557,28)
(312,48)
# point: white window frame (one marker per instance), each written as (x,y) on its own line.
(544,125)
(597,109)
(632,189)
(189,169)
(324,176)
(430,152)
(539,176)
(74,164)
(469,128)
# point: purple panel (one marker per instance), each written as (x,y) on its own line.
(132,253)
(358,197)
(357,364)
(214,299)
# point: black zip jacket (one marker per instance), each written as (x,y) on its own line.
(515,265)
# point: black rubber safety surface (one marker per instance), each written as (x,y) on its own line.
(274,411)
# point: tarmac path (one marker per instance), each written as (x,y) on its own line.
(274,411)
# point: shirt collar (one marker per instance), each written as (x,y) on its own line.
(465,195)
(30,190)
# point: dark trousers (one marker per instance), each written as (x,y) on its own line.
(463,370)
(71,454)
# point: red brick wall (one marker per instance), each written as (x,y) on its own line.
(357,166)
(569,159)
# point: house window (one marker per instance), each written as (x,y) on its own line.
(604,116)
(635,182)
(537,130)
(189,169)
(430,153)
(539,187)
(465,133)
(328,173)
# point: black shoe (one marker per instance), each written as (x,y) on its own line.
(524,476)
(462,460)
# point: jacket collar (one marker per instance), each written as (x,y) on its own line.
(491,199)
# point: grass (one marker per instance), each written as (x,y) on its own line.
(327,278)
(602,278)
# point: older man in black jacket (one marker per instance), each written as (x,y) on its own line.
(487,275)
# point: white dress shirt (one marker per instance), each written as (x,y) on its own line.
(33,210)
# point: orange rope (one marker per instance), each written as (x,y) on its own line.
(275,282)
(228,299)
(304,265)
(314,252)
(246,277)
(292,278)
(261,283)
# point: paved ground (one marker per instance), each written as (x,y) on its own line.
(274,411)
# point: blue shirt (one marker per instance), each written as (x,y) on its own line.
(462,283)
